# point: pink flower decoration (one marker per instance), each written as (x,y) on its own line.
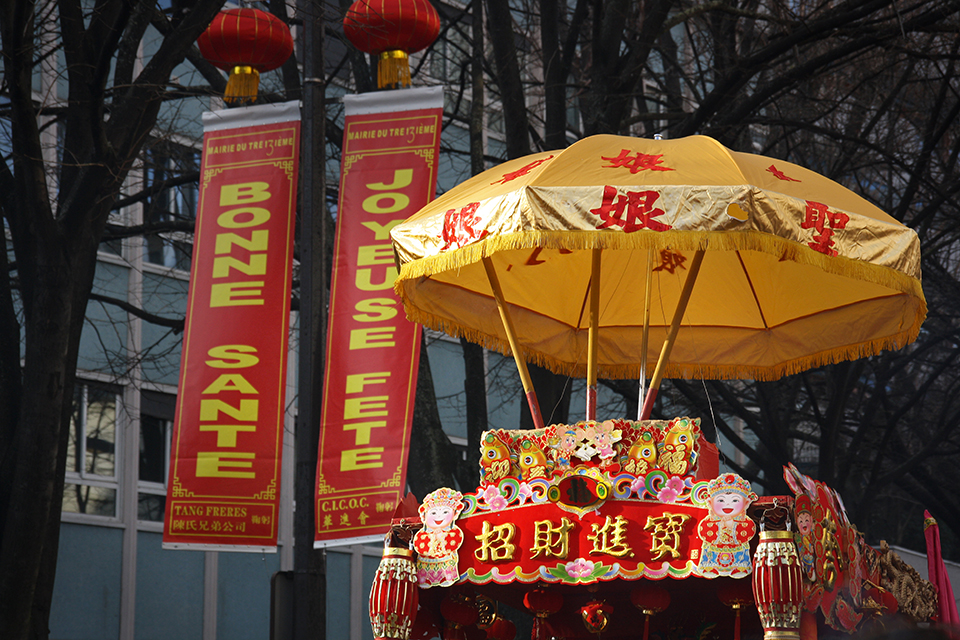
(579,568)
(667,494)
(672,490)
(637,486)
(494,500)
(525,492)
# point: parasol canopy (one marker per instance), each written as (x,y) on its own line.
(797,271)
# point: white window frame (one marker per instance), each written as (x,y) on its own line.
(86,478)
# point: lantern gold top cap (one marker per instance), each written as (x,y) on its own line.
(398,551)
(776,535)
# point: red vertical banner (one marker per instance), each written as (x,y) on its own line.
(224,484)
(391,144)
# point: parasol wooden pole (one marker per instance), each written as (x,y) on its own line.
(672,335)
(528,389)
(645,336)
(592,336)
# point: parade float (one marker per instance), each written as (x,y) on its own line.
(627,528)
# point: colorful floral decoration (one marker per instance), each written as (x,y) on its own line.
(727,530)
(439,540)
(579,571)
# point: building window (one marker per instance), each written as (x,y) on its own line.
(156,421)
(91,478)
(177,168)
(154,462)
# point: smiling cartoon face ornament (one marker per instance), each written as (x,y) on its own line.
(726,531)
(439,540)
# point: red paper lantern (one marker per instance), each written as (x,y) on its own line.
(425,626)
(596,615)
(542,603)
(502,629)
(777,585)
(391,29)
(736,593)
(245,42)
(458,611)
(651,599)
(394,595)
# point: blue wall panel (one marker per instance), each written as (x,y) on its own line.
(338,595)
(169,591)
(243,600)
(86,596)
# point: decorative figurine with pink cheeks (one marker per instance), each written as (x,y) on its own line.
(563,450)
(439,540)
(727,530)
(805,538)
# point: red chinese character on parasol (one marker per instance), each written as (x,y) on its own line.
(392,29)
(636,162)
(522,171)
(638,207)
(245,42)
(780,175)
(823,221)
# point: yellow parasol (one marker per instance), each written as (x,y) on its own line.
(584,261)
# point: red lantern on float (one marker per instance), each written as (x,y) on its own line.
(458,611)
(502,629)
(426,626)
(245,42)
(394,595)
(542,603)
(736,594)
(392,29)
(651,599)
(777,585)
(596,615)
(808,626)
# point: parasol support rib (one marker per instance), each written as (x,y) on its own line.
(528,389)
(645,336)
(672,336)
(592,335)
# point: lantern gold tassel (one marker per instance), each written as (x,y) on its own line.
(393,70)
(242,85)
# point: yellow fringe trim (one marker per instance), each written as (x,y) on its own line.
(393,70)
(682,241)
(242,85)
